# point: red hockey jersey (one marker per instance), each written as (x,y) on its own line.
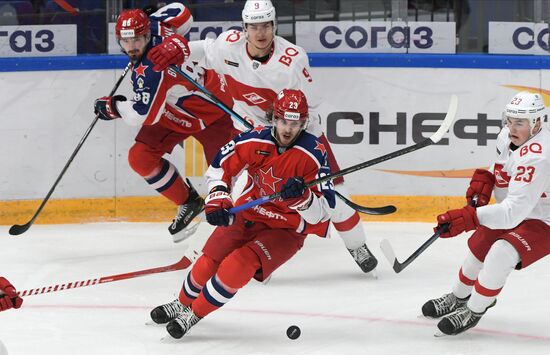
(268,168)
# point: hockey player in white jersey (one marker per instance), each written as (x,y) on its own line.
(511,234)
(256,65)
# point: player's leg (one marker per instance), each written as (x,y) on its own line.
(216,136)
(269,249)
(348,222)
(506,254)
(479,245)
(220,243)
(146,158)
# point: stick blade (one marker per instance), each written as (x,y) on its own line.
(448,121)
(17,229)
(388,252)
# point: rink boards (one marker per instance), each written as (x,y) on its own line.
(370,109)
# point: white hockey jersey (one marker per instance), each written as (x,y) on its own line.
(522,187)
(254,85)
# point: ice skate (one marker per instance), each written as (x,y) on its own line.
(443,305)
(178,327)
(167,312)
(186,212)
(459,321)
(364,258)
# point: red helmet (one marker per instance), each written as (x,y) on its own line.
(291,105)
(132,23)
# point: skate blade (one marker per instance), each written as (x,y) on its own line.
(152,323)
(167,339)
(373,273)
(266,281)
(421,316)
(440,335)
(186,232)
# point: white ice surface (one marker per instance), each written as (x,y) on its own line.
(337,307)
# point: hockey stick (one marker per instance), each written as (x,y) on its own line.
(17,229)
(388,252)
(180,265)
(213,98)
(238,118)
(367,210)
(434,138)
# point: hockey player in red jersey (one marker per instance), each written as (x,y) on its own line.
(255,242)
(257,64)
(511,234)
(8,296)
(166,107)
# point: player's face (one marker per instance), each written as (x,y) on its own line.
(260,36)
(134,47)
(286,131)
(520,130)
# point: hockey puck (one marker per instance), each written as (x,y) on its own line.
(293,332)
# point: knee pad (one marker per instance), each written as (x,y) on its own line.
(238,267)
(205,267)
(502,256)
(143,160)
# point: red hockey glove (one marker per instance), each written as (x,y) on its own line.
(460,220)
(173,50)
(217,205)
(105,107)
(295,191)
(481,185)
(8,296)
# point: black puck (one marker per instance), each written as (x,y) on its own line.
(293,332)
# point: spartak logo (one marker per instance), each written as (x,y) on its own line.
(254,98)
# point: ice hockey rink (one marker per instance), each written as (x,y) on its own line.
(338,308)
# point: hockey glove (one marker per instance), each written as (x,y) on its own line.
(173,50)
(481,185)
(217,205)
(105,107)
(295,191)
(460,220)
(8,296)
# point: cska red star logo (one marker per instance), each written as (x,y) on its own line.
(258,129)
(269,180)
(140,71)
(321,147)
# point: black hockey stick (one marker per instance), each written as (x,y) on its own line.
(388,252)
(17,229)
(213,98)
(434,138)
(238,118)
(367,210)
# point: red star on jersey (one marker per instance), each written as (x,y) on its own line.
(258,129)
(140,71)
(269,180)
(321,147)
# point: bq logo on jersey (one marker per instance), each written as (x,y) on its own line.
(37,41)
(376,37)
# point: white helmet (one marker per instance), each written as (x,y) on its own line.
(257,11)
(526,105)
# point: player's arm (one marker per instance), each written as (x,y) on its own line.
(170,24)
(314,204)
(228,164)
(150,93)
(8,296)
(527,184)
(171,18)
